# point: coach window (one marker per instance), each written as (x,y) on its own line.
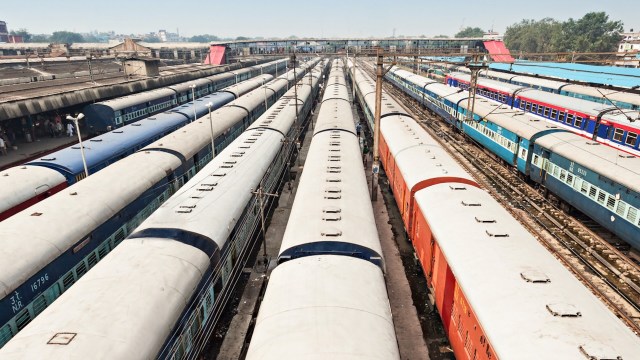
(617,135)
(522,103)
(569,119)
(546,112)
(540,109)
(554,113)
(578,121)
(561,117)
(631,138)
(534,107)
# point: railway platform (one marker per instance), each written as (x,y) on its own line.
(21,151)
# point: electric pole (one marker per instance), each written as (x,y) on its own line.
(260,194)
(475,68)
(375,166)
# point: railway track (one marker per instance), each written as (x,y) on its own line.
(610,275)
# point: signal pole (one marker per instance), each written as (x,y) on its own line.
(295,92)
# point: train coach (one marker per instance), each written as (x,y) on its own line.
(111,114)
(598,180)
(174,273)
(621,99)
(108,148)
(611,125)
(71,231)
(599,94)
(36,183)
(25,185)
(499,292)
(331,241)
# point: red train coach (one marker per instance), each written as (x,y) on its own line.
(499,292)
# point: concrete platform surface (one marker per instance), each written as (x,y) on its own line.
(27,151)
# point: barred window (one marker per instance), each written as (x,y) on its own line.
(601,197)
(578,121)
(611,202)
(631,138)
(570,119)
(569,178)
(585,187)
(617,134)
(631,215)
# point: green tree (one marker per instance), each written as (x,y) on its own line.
(534,36)
(592,33)
(90,38)
(242,38)
(470,32)
(204,38)
(39,38)
(441,37)
(66,37)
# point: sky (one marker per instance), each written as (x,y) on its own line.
(319,18)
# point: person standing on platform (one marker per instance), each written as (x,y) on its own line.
(3,146)
(70,129)
(58,128)
(365,153)
(52,129)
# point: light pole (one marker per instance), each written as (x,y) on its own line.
(213,151)
(193,99)
(90,71)
(75,120)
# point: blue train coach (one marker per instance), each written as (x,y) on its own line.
(111,114)
(598,181)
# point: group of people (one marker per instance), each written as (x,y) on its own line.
(53,127)
(56,129)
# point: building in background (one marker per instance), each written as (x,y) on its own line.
(629,50)
(5,37)
(4,33)
(166,36)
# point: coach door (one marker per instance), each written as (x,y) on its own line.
(545,164)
